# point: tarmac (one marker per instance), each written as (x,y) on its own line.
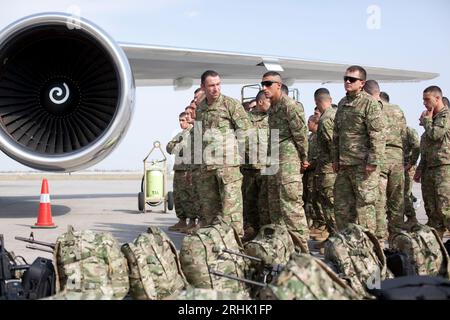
(96,201)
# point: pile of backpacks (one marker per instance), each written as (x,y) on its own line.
(213,263)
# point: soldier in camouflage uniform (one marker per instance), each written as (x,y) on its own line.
(254,185)
(194,223)
(358,148)
(324,175)
(182,186)
(310,196)
(411,155)
(285,186)
(436,160)
(392,175)
(219,118)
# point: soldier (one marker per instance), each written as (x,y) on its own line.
(392,176)
(324,175)
(358,148)
(445,101)
(254,185)
(384,96)
(312,211)
(194,224)
(221,180)
(436,121)
(182,189)
(285,186)
(411,155)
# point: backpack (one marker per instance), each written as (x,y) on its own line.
(424,249)
(204,251)
(273,245)
(398,263)
(39,279)
(307,278)
(356,255)
(414,288)
(207,294)
(90,265)
(154,266)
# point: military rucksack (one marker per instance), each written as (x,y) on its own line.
(154,265)
(356,256)
(273,245)
(424,248)
(90,265)
(204,251)
(207,294)
(307,278)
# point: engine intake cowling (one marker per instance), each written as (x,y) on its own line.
(66,92)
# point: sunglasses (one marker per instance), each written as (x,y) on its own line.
(268,83)
(351,79)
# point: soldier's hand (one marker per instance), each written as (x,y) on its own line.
(335,167)
(408,167)
(305,165)
(417,175)
(369,169)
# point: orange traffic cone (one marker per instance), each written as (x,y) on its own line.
(45,211)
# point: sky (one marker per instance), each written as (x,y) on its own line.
(411,35)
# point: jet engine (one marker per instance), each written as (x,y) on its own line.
(66,92)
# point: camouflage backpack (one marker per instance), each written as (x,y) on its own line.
(90,265)
(424,249)
(273,245)
(207,294)
(307,278)
(154,264)
(356,255)
(204,251)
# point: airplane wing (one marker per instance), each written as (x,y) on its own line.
(181,67)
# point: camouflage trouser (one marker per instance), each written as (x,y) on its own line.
(313,210)
(220,194)
(390,199)
(410,212)
(182,194)
(196,181)
(355,196)
(324,193)
(254,194)
(285,199)
(436,196)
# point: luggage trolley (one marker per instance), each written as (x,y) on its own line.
(154,183)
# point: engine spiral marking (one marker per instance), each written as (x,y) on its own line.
(59,92)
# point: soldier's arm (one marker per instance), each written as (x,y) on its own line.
(297,126)
(375,130)
(180,137)
(328,127)
(335,144)
(415,146)
(437,130)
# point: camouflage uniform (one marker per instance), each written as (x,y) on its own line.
(411,154)
(220,180)
(312,211)
(324,175)
(254,185)
(437,169)
(392,177)
(358,140)
(182,185)
(285,186)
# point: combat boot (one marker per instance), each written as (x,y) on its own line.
(192,227)
(249,234)
(180,225)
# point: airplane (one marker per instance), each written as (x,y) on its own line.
(67,89)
